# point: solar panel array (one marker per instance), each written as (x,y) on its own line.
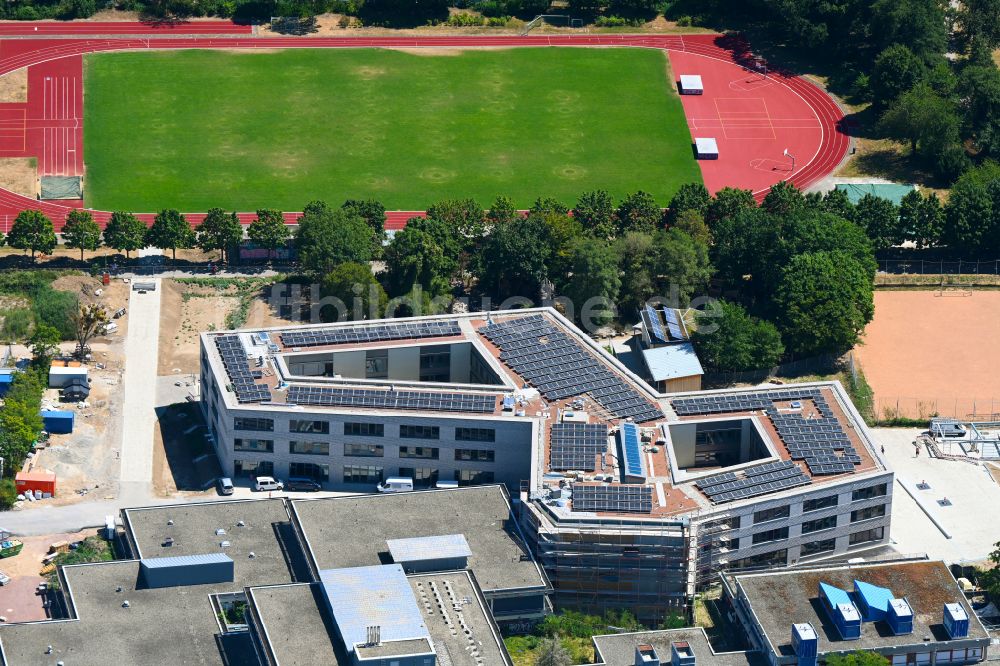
(612,498)
(241,377)
(673,324)
(655,328)
(551,361)
(820,442)
(390,399)
(316,337)
(759,480)
(575,446)
(632,450)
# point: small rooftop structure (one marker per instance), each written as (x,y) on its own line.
(375,612)
(432,553)
(187,570)
(672,362)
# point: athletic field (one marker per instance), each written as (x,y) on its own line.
(243,130)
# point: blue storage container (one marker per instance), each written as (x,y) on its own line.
(58,422)
(900,617)
(805,643)
(842,611)
(6,378)
(956,620)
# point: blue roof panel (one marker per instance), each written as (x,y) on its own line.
(872,596)
(835,594)
(362,597)
(632,450)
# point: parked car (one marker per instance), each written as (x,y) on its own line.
(395,484)
(441,485)
(4,579)
(268,483)
(298,484)
(225,485)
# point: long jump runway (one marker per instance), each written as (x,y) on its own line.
(754,118)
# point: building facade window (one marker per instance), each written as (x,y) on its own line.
(419,432)
(771,535)
(775,557)
(253,468)
(309,426)
(479,455)
(475,434)
(423,477)
(435,363)
(314,471)
(867,514)
(776,513)
(364,450)
(362,474)
(471,477)
(819,524)
(865,536)
(377,364)
(817,503)
(309,448)
(255,445)
(364,429)
(870,492)
(253,424)
(423,452)
(816,547)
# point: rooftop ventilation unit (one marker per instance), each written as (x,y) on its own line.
(873,601)
(805,643)
(447,552)
(956,621)
(899,617)
(681,654)
(645,655)
(186,570)
(842,611)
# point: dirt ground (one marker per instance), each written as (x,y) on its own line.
(186,311)
(20,175)
(14,86)
(62,252)
(19,601)
(934,352)
(86,461)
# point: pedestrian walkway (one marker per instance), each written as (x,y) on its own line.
(139,395)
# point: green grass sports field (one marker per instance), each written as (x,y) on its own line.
(200,128)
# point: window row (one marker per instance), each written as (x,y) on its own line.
(360,450)
(423,477)
(358,429)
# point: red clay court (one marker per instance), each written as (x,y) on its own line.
(753,118)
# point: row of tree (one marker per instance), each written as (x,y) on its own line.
(218,231)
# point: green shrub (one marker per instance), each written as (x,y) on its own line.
(8,493)
(16,324)
(684,21)
(55,308)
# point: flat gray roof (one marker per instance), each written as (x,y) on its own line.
(779,599)
(447,622)
(161,626)
(352,531)
(297,624)
(265,523)
(619,649)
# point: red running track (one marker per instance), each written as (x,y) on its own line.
(64,28)
(753,118)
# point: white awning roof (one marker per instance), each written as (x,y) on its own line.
(691,82)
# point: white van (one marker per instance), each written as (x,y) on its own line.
(440,485)
(268,483)
(395,484)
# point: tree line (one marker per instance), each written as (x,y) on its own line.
(796,272)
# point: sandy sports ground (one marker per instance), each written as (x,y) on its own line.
(933,352)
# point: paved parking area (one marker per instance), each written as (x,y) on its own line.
(968,527)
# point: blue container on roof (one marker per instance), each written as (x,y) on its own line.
(900,617)
(6,379)
(842,611)
(873,601)
(58,422)
(805,643)
(956,620)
